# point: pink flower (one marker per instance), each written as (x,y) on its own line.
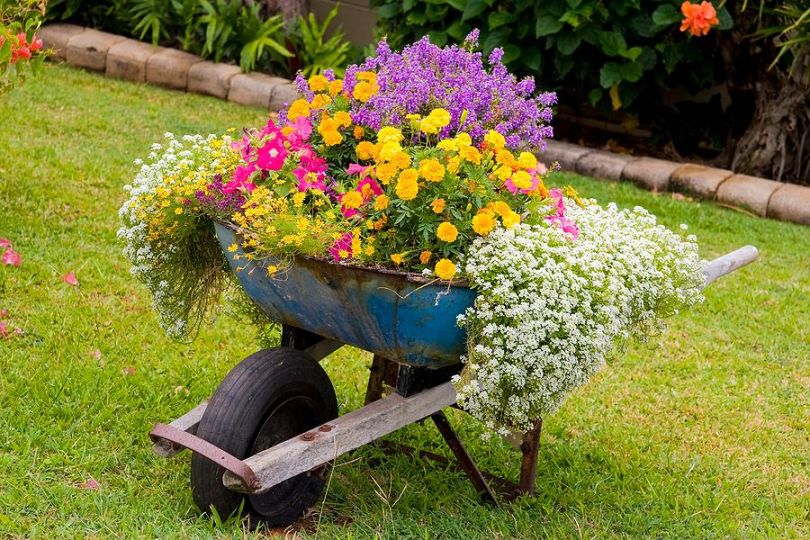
(5,243)
(368,187)
(240,179)
(271,156)
(70,279)
(356,168)
(513,189)
(11,258)
(302,129)
(309,180)
(342,248)
(558,216)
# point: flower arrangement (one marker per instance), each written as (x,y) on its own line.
(417,161)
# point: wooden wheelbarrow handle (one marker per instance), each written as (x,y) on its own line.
(729,262)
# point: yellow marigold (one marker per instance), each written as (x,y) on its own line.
(389,134)
(503,172)
(368,76)
(527,160)
(463,139)
(358,132)
(448,145)
(511,219)
(438,206)
(453,164)
(363,91)
(470,153)
(352,199)
(483,223)
(494,139)
(318,83)
(425,256)
(408,175)
(500,208)
(407,188)
(447,232)
(331,138)
(431,170)
(335,87)
(505,157)
(385,172)
(287,130)
(440,116)
(397,258)
(381,202)
(522,180)
(298,108)
(401,160)
(320,101)
(366,150)
(389,150)
(343,119)
(445,269)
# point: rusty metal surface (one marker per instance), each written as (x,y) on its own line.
(399,316)
(464,460)
(530,448)
(207,450)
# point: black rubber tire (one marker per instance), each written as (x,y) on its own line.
(271,396)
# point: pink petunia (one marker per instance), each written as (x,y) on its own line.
(302,129)
(271,156)
(559,218)
(11,258)
(368,187)
(70,279)
(342,248)
(240,180)
(356,168)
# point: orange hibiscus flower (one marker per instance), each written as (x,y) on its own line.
(698,18)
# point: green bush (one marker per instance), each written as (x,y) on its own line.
(610,54)
(229,30)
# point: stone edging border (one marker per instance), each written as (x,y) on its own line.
(134,60)
(137,61)
(765,198)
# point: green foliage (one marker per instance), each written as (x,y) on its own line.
(581,48)
(315,51)
(223,30)
(789,25)
(19,59)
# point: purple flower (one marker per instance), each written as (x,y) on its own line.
(424,76)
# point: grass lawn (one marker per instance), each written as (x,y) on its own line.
(705,433)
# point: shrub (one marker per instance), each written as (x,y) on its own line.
(21,51)
(240,32)
(605,53)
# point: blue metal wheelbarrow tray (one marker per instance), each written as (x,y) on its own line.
(264,443)
(404,318)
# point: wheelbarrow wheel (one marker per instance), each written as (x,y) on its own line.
(271,396)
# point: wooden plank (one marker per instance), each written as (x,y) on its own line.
(323,444)
(728,263)
(188,422)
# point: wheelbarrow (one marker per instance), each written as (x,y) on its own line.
(265,441)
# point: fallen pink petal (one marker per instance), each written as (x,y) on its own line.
(5,243)
(4,333)
(11,258)
(70,279)
(4,313)
(90,484)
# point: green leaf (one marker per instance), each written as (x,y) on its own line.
(500,18)
(407,5)
(473,8)
(595,96)
(726,21)
(611,43)
(438,38)
(388,11)
(631,54)
(532,59)
(666,15)
(613,73)
(547,25)
(458,30)
(511,52)
(568,42)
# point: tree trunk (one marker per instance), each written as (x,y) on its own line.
(777,143)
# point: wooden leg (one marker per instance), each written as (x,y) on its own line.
(380,373)
(530,447)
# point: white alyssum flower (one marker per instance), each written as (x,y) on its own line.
(550,309)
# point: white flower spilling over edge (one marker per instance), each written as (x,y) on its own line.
(148,256)
(550,309)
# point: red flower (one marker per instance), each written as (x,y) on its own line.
(698,18)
